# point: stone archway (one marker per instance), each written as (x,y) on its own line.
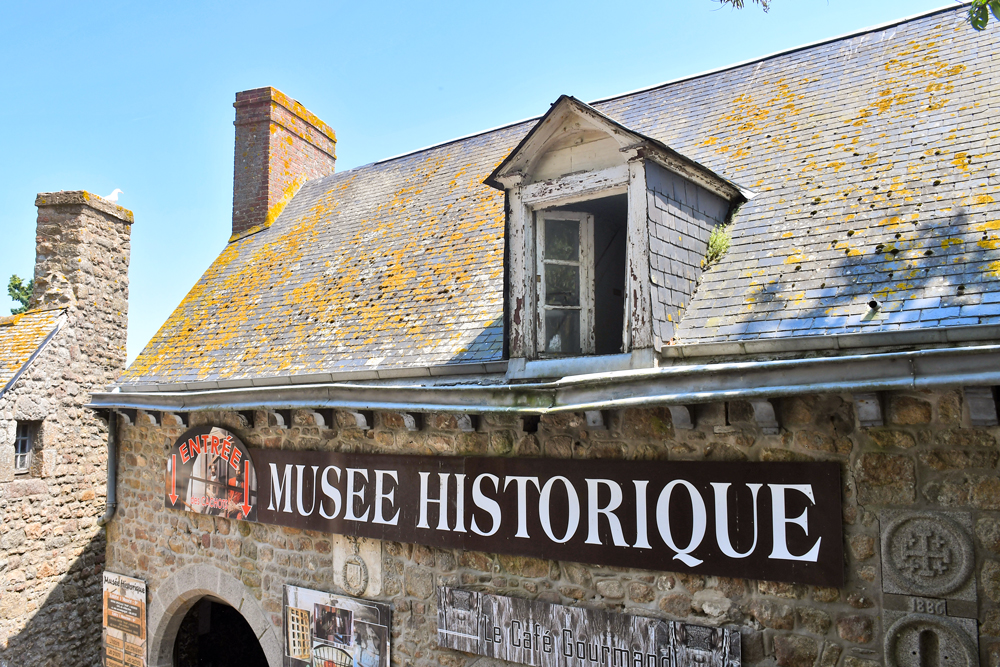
(174,598)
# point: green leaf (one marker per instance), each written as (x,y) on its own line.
(994,6)
(20,292)
(978,16)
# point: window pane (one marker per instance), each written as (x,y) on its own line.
(562,331)
(562,285)
(562,240)
(22,447)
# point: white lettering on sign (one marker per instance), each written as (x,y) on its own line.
(781,520)
(331,492)
(491,506)
(722,519)
(381,495)
(699,521)
(522,501)
(279,486)
(383,509)
(353,493)
(693,520)
(573,516)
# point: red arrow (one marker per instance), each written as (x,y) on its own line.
(173,479)
(246,490)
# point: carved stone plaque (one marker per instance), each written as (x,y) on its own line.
(357,565)
(922,640)
(928,554)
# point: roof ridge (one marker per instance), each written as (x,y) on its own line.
(13,318)
(795,49)
(689,77)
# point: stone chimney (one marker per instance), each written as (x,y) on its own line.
(279,146)
(82,251)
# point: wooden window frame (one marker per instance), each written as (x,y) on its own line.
(526,199)
(26,435)
(585,262)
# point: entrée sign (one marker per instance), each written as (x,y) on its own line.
(777,521)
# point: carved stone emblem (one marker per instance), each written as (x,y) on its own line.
(355,575)
(922,640)
(926,554)
(357,565)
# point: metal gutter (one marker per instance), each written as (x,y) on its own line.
(112,498)
(703,383)
(831,342)
(376,374)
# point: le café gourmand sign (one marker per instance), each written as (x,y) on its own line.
(776,521)
(551,635)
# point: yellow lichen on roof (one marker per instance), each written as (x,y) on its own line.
(20,336)
(395,262)
(871,159)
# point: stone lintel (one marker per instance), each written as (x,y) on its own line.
(84,198)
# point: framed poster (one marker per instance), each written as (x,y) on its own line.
(327,630)
(123,636)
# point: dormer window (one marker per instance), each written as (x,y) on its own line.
(605,228)
(566,282)
(580,274)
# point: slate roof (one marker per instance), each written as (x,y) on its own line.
(20,337)
(870,155)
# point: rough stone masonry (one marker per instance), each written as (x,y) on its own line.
(51,547)
(927,458)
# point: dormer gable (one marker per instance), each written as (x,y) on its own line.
(605,231)
(574,137)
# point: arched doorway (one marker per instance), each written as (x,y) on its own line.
(213,634)
(174,597)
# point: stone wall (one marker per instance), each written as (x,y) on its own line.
(51,548)
(926,457)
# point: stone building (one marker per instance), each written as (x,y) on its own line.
(53,461)
(553,300)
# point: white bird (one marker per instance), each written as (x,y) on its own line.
(113,197)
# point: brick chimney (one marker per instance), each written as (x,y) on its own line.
(279,146)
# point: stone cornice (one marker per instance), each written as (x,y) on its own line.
(84,198)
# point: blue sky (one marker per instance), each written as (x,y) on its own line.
(138,96)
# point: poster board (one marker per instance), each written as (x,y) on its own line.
(123,636)
(542,634)
(327,630)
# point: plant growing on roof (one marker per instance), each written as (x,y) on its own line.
(718,243)
(20,292)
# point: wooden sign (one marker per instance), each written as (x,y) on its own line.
(777,521)
(551,635)
(123,638)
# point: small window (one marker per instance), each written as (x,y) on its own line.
(565,284)
(580,277)
(24,444)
